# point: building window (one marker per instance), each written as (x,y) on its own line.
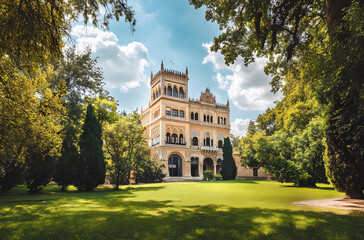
(169,91)
(255,172)
(174,112)
(168,111)
(156,114)
(175,92)
(165,91)
(182,113)
(219,144)
(181,139)
(208,118)
(224,121)
(153,96)
(196,116)
(204,118)
(174,138)
(192,115)
(194,141)
(168,137)
(211,119)
(181,93)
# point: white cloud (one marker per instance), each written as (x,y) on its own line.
(123,66)
(248,87)
(239,127)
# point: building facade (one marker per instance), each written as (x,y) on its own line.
(187,134)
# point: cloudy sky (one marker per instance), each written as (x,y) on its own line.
(173,31)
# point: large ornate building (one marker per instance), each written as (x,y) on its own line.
(186,134)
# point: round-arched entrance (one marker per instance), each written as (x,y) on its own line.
(208,164)
(175,165)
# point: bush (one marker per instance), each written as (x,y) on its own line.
(218,177)
(208,175)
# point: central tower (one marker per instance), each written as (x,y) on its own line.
(169,83)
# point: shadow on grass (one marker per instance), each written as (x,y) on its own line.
(317,187)
(233,181)
(112,216)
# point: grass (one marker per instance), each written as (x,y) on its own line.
(203,210)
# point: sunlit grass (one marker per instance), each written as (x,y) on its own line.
(200,210)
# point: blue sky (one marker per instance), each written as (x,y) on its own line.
(178,34)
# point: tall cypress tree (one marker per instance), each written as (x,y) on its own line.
(91,167)
(65,169)
(228,170)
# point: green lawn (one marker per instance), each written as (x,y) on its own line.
(204,210)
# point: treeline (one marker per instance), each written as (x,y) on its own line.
(60,123)
(288,140)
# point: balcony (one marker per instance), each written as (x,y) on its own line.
(210,148)
(179,141)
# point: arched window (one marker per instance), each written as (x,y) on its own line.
(169,91)
(153,96)
(175,92)
(207,142)
(181,93)
(219,162)
(211,119)
(219,144)
(159,92)
(168,137)
(194,141)
(224,121)
(208,118)
(181,113)
(212,142)
(204,118)
(181,139)
(196,116)
(174,138)
(192,115)
(165,91)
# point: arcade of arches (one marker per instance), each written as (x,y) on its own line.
(175,167)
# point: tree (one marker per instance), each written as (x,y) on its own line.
(91,165)
(33,31)
(228,169)
(65,171)
(149,171)
(327,37)
(234,140)
(126,145)
(30,119)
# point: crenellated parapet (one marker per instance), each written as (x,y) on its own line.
(170,73)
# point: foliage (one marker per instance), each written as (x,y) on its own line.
(327,38)
(218,177)
(207,175)
(234,140)
(33,31)
(65,170)
(90,170)
(149,171)
(30,120)
(228,168)
(83,80)
(127,149)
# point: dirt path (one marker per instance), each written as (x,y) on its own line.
(338,203)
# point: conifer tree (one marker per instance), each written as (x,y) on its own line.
(90,170)
(65,169)
(228,170)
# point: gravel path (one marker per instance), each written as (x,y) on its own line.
(338,203)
